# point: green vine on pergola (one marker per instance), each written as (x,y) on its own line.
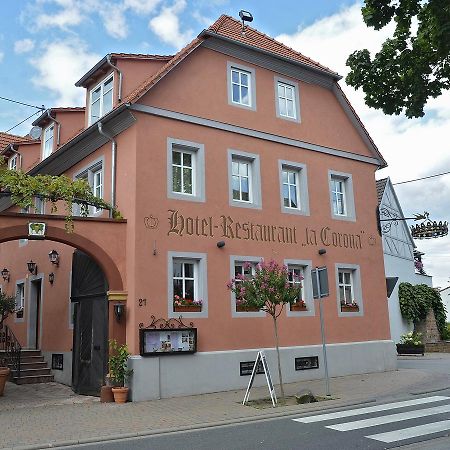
(23,189)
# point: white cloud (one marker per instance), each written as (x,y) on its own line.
(23,46)
(167,25)
(141,6)
(68,14)
(412,147)
(59,66)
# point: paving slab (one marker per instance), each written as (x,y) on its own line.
(51,414)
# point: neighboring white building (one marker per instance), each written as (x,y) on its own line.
(445,295)
(398,248)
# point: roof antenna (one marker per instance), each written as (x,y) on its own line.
(245,17)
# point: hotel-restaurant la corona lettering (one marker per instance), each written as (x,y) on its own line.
(226,227)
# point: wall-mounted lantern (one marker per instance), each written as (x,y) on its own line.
(51,277)
(54,257)
(5,274)
(119,311)
(32,267)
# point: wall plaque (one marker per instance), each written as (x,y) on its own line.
(307,362)
(246,367)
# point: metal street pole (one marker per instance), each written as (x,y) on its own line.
(322,330)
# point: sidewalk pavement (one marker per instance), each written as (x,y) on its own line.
(50,415)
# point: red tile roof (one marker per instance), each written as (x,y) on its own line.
(141,56)
(6,139)
(231,28)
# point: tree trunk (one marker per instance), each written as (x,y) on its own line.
(278,357)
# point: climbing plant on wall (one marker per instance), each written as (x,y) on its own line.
(24,188)
(416,301)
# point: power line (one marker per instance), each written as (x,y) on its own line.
(423,178)
(24,120)
(41,108)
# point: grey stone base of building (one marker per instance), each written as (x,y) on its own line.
(61,376)
(179,375)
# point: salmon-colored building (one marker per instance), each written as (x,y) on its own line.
(234,150)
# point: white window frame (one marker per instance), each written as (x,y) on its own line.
(287,84)
(200,281)
(347,195)
(48,134)
(182,166)
(198,169)
(87,173)
(13,162)
(307,295)
(101,85)
(254,180)
(21,304)
(355,279)
(97,186)
(302,187)
(241,177)
(236,260)
(232,66)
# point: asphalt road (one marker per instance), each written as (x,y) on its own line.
(414,422)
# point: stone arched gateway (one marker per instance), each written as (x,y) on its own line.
(101,245)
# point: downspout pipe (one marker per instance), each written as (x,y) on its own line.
(57,123)
(108,60)
(113,163)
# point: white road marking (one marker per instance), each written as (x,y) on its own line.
(370,409)
(381,420)
(412,432)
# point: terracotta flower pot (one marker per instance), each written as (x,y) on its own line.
(106,395)
(298,307)
(4,374)
(193,308)
(120,394)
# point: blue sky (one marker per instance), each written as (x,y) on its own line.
(47,45)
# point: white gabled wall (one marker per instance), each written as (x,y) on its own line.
(398,247)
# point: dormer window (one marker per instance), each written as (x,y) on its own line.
(47,145)
(13,162)
(101,99)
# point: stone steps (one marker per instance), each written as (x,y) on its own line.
(33,368)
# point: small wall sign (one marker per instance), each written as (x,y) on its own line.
(307,362)
(246,367)
(57,361)
(36,229)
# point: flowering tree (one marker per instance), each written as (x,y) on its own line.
(268,290)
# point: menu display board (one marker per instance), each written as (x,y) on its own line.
(168,341)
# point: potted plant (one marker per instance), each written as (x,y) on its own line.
(7,307)
(118,370)
(349,307)
(411,344)
(181,304)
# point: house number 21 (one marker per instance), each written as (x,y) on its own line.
(142,302)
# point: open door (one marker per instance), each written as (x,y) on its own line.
(90,336)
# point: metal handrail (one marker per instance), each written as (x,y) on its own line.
(12,348)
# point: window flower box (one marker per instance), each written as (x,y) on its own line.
(181,304)
(411,344)
(298,306)
(410,349)
(186,308)
(244,308)
(349,307)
